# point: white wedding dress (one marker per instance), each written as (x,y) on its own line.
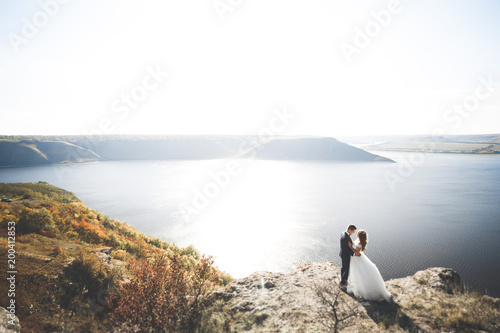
(365,280)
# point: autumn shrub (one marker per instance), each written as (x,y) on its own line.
(126,230)
(48,233)
(190,251)
(29,194)
(60,252)
(165,295)
(131,247)
(7,214)
(224,278)
(157,242)
(3,247)
(91,272)
(121,255)
(91,233)
(173,248)
(71,234)
(106,222)
(35,220)
(113,240)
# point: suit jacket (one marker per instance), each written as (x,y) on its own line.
(345,250)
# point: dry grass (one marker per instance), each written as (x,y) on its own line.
(467,312)
(121,255)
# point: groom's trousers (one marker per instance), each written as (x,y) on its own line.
(344,271)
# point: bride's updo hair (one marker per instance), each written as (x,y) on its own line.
(363,239)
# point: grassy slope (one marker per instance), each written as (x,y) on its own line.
(61,278)
(24,152)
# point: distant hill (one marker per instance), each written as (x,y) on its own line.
(313,149)
(456,144)
(20,153)
(39,150)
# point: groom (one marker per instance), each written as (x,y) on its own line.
(346,253)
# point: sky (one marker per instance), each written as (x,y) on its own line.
(331,68)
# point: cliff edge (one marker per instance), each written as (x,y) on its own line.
(309,300)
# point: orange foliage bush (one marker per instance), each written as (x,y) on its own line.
(91,233)
(165,295)
(47,233)
(58,250)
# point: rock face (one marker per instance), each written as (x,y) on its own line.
(277,302)
(428,282)
(5,327)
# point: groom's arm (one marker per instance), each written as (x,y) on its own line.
(345,243)
(348,244)
(354,251)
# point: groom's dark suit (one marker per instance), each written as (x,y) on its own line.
(345,253)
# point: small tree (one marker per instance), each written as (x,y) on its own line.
(336,309)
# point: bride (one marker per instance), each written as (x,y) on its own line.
(364,279)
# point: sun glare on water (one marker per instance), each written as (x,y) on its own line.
(239,234)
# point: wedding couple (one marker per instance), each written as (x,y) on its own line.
(360,276)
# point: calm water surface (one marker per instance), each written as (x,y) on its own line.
(274,215)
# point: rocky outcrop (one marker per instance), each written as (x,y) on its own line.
(278,302)
(274,302)
(430,281)
(6,322)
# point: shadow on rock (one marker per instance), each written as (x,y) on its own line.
(388,314)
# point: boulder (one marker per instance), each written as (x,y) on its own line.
(6,322)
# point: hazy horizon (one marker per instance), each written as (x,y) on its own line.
(251,134)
